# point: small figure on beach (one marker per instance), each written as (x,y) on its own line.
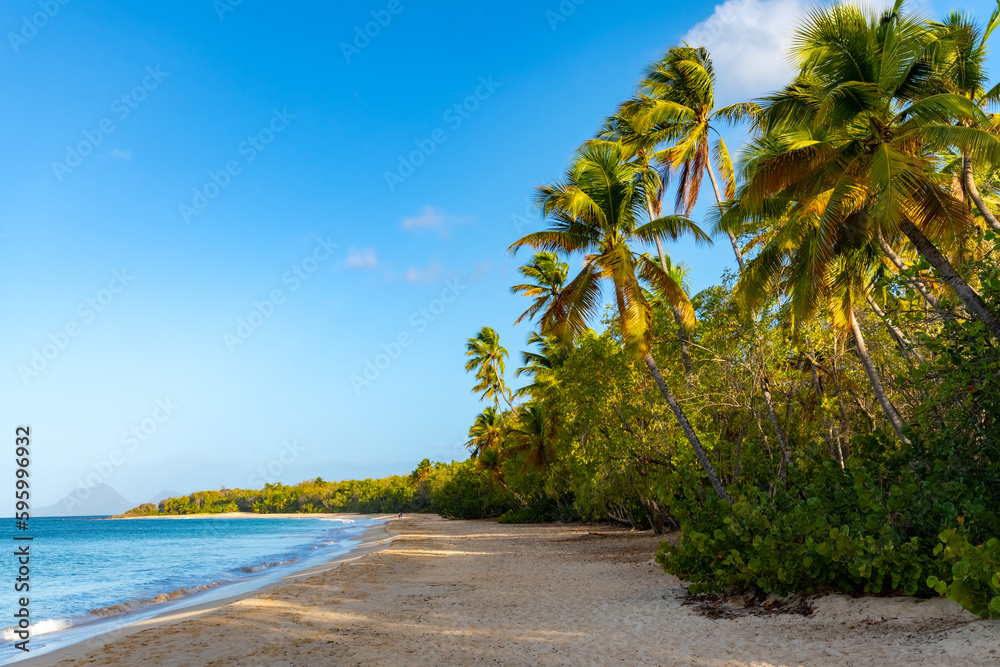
(400,515)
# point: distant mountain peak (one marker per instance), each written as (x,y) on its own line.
(98,500)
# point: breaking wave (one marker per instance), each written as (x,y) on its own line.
(40,628)
(136,605)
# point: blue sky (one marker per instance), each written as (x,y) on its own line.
(200,246)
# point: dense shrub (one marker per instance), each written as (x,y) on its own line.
(539,513)
(467,494)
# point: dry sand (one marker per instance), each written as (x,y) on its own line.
(476,593)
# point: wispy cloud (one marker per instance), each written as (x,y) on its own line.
(433,219)
(120,154)
(415,275)
(361,258)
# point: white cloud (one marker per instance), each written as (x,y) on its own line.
(432,219)
(749,42)
(120,154)
(361,258)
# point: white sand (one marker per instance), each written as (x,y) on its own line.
(475,592)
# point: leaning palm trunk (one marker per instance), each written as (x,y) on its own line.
(913,282)
(876,381)
(969,297)
(970,186)
(689,432)
(685,355)
(732,237)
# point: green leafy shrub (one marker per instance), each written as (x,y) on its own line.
(824,534)
(534,514)
(973,578)
(467,494)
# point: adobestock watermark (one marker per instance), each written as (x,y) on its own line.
(562,12)
(419,321)
(363,35)
(30,25)
(530,216)
(88,310)
(131,441)
(122,107)
(268,474)
(223,7)
(454,117)
(248,150)
(293,278)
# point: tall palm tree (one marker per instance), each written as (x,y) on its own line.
(486,358)
(486,431)
(849,146)
(541,366)
(548,274)
(598,209)
(961,59)
(531,436)
(675,108)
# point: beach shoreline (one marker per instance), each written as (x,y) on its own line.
(374,537)
(437,592)
(255,515)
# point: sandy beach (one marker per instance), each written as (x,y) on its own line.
(425,591)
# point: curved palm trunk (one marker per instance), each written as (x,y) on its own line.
(898,262)
(969,297)
(970,186)
(876,381)
(732,237)
(689,432)
(685,355)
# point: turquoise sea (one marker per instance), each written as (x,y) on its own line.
(90,575)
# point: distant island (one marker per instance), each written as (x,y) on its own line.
(454,490)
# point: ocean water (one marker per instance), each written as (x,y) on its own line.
(92,575)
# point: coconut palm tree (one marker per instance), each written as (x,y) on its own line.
(540,366)
(486,358)
(530,435)
(486,431)
(674,111)
(960,57)
(548,274)
(598,209)
(850,146)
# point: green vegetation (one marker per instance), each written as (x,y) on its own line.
(826,418)
(453,490)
